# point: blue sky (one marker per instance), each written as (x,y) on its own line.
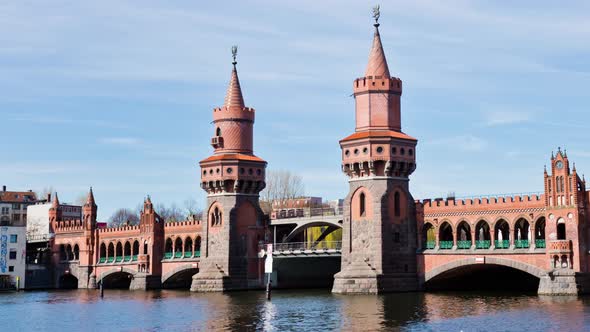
(118,94)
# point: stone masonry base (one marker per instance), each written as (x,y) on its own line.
(564,282)
(376,284)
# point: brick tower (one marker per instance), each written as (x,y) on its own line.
(379,228)
(233,178)
(87,262)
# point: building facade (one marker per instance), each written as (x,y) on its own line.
(13,219)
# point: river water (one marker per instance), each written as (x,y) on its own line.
(296,310)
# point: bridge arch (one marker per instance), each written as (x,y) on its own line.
(117,277)
(180,277)
(300,228)
(489,261)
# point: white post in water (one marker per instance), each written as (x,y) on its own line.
(268,269)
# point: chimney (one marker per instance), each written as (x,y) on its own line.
(4,188)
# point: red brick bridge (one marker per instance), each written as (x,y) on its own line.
(152,254)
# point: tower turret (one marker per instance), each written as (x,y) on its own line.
(233,178)
(89,211)
(379,228)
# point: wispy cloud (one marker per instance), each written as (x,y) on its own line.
(505,117)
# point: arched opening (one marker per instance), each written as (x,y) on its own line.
(117,280)
(69,252)
(198,247)
(522,233)
(396,204)
(502,234)
(561,229)
(181,279)
(428,237)
(362,205)
(127,251)
(76,252)
(445,236)
(216,217)
(111,253)
(218,132)
(145,247)
(188,248)
(103,253)
(540,233)
(119,252)
(178,248)
(168,251)
(62,253)
(484,277)
(463,235)
(68,281)
(482,235)
(135,250)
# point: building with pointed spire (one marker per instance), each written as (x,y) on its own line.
(233,178)
(379,227)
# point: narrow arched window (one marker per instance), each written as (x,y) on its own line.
(561,229)
(218,132)
(362,204)
(396,206)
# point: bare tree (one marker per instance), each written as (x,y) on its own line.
(81,199)
(192,209)
(170,214)
(123,216)
(282,185)
(42,194)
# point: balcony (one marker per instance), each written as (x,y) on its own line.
(463,244)
(560,246)
(521,244)
(504,244)
(445,244)
(430,244)
(539,243)
(217,142)
(483,244)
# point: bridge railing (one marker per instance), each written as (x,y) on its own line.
(289,213)
(307,246)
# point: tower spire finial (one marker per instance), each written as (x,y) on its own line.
(376,14)
(234,54)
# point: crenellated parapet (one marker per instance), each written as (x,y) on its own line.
(377,84)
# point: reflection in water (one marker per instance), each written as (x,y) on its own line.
(297,310)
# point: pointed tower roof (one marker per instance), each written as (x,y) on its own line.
(233,97)
(55,201)
(377,63)
(90,199)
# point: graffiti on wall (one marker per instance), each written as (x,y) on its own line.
(3,248)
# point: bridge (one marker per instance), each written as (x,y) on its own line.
(153,254)
(292,222)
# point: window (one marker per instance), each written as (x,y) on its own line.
(13,238)
(561,229)
(12,254)
(11,269)
(218,132)
(362,204)
(396,237)
(396,207)
(16,206)
(16,217)
(4,210)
